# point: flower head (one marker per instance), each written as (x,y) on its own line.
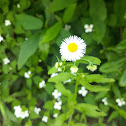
(58,105)
(45,119)
(42,84)
(55,115)
(73,48)
(18,5)
(56,94)
(120,101)
(88,28)
(104,100)
(37,110)
(6,61)
(7,22)
(83,91)
(1,38)
(74,69)
(27,74)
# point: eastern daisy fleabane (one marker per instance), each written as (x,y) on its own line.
(1,38)
(74,69)
(104,100)
(6,61)
(73,48)
(56,94)
(58,105)
(45,119)
(42,84)
(55,115)
(7,22)
(120,102)
(27,74)
(88,28)
(37,110)
(83,91)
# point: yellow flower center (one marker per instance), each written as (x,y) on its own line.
(72,47)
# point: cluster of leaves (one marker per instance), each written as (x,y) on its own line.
(32,43)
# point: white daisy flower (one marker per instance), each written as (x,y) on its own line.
(83,91)
(6,61)
(54,74)
(55,115)
(27,74)
(73,48)
(120,102)
(56,94)
(7,22)
(42,84)
(88,28)
(58,105)
(1,38)
(37,110)
(18,111)
(104,100)
(45,119)
(74,69)
(67,27)
(67,81)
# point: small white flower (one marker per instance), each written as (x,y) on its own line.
(92,67)
(67,81)
(27,74)
(88,28)
(56,94)
(104,100)
(120,102)
(42,84)
(67,27)
(24,114)
(37,110)
(56,64)
(7,22)
(45,119)
(58,105)
(6,60)
(1,38)
(18,6)
(55,115)
(74,69)
(54,74)
(73,48)
(59,69)
(83,91)
(26,38)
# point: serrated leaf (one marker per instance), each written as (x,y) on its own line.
(52,32)
(113,115)
(28,48)
(122,81)
(112,66)
(48,105)
(61,77)
(29,22)
(116,91)
(89,110)
(93,88)
(90,60)
(121,45)
(53,70)
(98,78)
(69,13)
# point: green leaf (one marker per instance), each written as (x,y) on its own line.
(122,81)
(98,78)
(80,124)
(97,9)
(113,66)
(57,5)
(48,105)
(29,22)
(60,87)
(28,48)
(113,116)
(49,88)
(89,110)
(69,13)
(53,70)
(93,88)
(121,45)
(61,77)
(52,32)
(2,109)
(90,60)
(116,91)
